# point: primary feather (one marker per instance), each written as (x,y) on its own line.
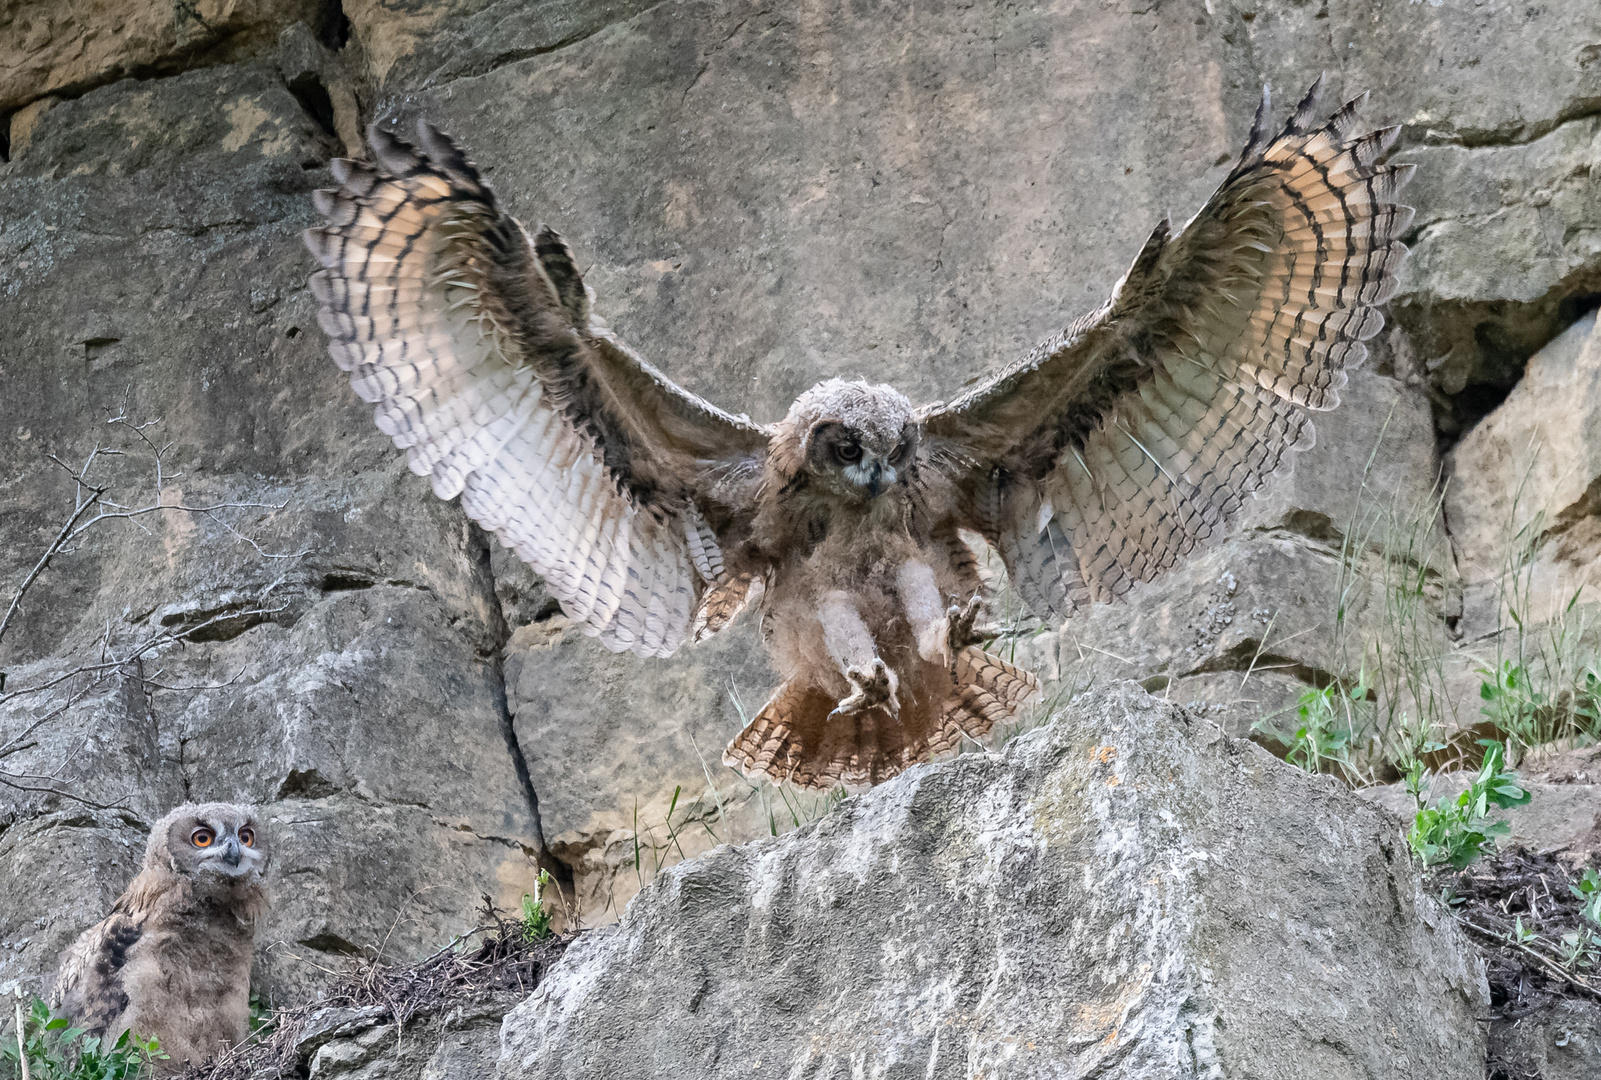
(1119,446)
(475,345)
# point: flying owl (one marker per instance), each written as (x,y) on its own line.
(1101,459)
(172,960)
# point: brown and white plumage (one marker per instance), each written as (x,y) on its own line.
(1120,445)
(172,960)
(477,347)
(1100,460)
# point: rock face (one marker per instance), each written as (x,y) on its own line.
(1124,893)
(763,196)
(366,712)
(1526,483)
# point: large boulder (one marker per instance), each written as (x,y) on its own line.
(1124,893)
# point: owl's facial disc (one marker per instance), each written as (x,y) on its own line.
(868,464)
(223,846)
(231,856)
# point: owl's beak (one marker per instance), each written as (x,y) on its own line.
(871,473)
(232,852)
(880,477)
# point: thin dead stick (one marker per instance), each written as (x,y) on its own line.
(1080,645)
(22,1046)
(44,560)
(1260,645)
(1545,962)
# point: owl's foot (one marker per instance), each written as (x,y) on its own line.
(872,689)
(962,622)
(938,642)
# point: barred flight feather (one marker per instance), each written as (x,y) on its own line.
(1238,323)
(476,347)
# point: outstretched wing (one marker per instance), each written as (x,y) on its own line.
(1117,447)
(477,346)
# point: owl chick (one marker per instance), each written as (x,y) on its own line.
(172,960)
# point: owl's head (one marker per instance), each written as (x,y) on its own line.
(856,439)
(211,843)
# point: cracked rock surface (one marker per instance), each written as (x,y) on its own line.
(1125,893)
(762,196)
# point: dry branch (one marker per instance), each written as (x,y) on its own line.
(92,506)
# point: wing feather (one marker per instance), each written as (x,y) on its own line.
(1117,447)
(476,347)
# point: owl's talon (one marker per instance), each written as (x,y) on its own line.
(962,622)
(877,688)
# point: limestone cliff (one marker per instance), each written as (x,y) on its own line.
(762,196)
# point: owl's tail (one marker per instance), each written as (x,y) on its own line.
(988,691)
(795,738)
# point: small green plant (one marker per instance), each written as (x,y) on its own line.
(1579,949)
(1322,734)
(536,920)
(1587,703)
(261,1014)
(55,1050)
(1416,771)
(1457,833)
(1589,890)
(1522,935)
(1513,705)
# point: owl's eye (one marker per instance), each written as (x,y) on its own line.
(898,455)
(202,837)
(849,453)
(247,837)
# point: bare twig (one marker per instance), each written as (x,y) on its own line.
(502,961)
(50,552)
(1546,964)
(92,506)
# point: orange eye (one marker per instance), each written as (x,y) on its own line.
(247,837)
(202,837)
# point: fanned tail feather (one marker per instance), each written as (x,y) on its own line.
(797,739)
(988,691)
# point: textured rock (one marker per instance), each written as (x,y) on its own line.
(149,235)
(1526,485)
(763,197)
(594,722)
(352,1044)
(1125,893)
(64,47)
(1508,239)
(62,873)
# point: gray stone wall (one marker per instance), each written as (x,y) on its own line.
(762,196)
